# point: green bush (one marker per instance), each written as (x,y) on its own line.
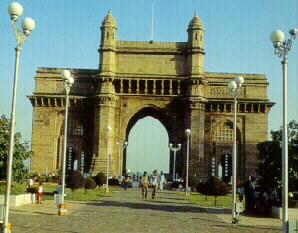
(193,181)
(100,179)
(213,187)
(113,182)
(89,183)
(32,190)
(75,180)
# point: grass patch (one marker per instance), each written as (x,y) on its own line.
(221,201)
(49,188)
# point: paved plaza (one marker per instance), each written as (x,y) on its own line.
(127,212)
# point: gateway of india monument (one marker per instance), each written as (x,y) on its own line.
(136,79)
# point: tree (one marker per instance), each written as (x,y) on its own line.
(270,159)
(75,180)
(213,187)
(89,184)
(100,179)
(21,151)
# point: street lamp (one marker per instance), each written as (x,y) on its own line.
(282,49)
(108,159)
(68,81)
(174,149)
(187,132)
(15,10)
(124,146)
(234,87)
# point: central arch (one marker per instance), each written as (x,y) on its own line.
(148,147)
(148,111)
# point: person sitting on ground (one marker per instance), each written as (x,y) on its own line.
(145,184)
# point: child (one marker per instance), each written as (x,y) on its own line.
(39,194)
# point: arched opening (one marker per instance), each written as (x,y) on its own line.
(148,147)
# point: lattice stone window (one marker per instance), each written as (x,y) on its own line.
(223,132)
(79,130)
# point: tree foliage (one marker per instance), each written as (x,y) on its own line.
(213,187)
(100,179)
(75,180)
(21,151)
(89,183)
(270,159)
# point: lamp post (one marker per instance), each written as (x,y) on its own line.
(187,132)
(15,10)
(123,146)
(68,81)
(174,149)
(282,49)
(234,87)
(108,159)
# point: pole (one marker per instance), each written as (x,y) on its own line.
(285,147)
(234,162)
(11,140)
(187,164)
(174,167)
(64,144)
(107,181)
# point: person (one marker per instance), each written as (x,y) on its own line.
(125,181)
(241,192)
(144,183)
(154,183)
(29,182)
(162,181)
(39,194)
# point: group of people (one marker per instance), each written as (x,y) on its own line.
(257,200)
(155,181)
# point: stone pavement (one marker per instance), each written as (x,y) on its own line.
(127,212)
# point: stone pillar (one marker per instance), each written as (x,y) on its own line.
(195,121)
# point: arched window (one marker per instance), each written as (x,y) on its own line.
(196,36)
(223,132)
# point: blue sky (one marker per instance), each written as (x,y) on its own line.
(68,34)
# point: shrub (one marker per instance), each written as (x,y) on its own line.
(32,190)
(89,183)
(213,187)
(100,179)
(193,181)
(113,182)
(75,180)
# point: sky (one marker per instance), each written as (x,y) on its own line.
(68,34)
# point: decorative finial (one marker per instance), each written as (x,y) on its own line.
(195,14)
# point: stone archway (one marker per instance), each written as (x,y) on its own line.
(156,114)
(164,79)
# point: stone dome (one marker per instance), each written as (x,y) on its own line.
(195,23)
(109,21)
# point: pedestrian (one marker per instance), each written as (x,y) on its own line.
(125,181)
(144,183)
(154,183)
(39,194)
(241,192)
(162,180)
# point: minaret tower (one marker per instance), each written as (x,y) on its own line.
(196,47)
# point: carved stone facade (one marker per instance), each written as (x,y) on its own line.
(165,80)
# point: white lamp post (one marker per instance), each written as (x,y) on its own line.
(108,159)
(187,132)
(282,49)
(122,146)
(15,10)
(68,81)
(234,89)
(174,149)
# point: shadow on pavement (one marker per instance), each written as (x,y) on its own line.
(145,205)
